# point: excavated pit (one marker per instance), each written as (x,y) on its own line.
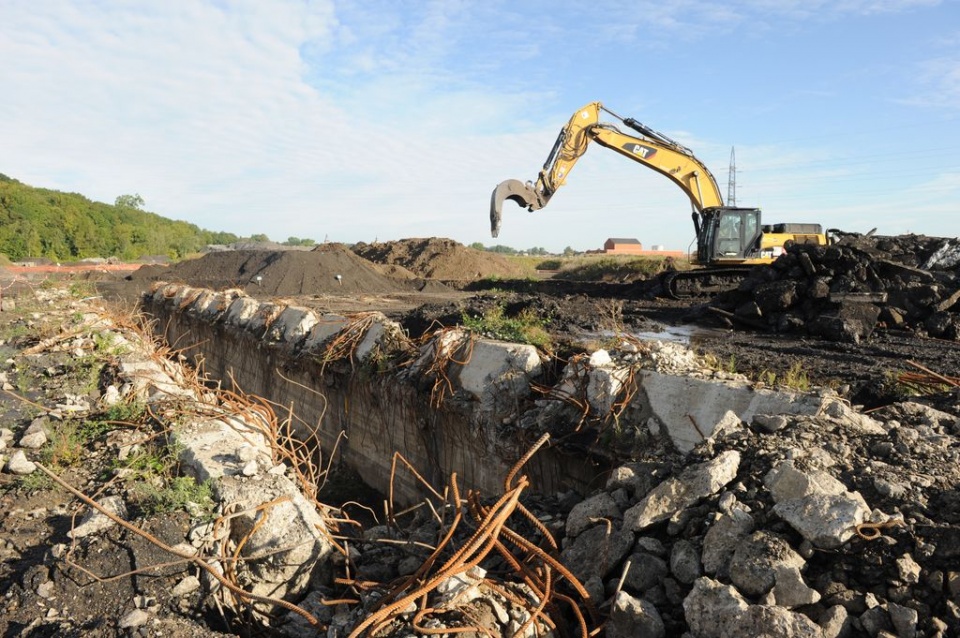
(451,404)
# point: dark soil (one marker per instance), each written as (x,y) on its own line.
(865,366)
(327,269)
(438,258)
(33,525)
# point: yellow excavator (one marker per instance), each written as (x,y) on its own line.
(729,239)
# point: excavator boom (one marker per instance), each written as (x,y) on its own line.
(728,238)
(647,147)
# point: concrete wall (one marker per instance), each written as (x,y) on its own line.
(283,354)
(379,414)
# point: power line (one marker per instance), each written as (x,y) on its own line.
(732,180)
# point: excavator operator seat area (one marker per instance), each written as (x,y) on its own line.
(737,230)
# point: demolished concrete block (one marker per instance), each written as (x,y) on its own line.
(148,377)
(816,504)
(95,521)
(262,319)
(646,571)
(443,345)
(723,538)
(217,307)
(634,618)
(714,610)
(904,619)
(291,530)
(498,373)
(604,386)
(596,551)
(850,418)
(835,622)
(786,482)
(691,408)
(685,562)
(240,311)
(379,337)
(163,292)
(203,304)
(598,380)
(790,591)
(827,521)
(587,512)
(326,327)
(757,560)
(677,493)
(292,325)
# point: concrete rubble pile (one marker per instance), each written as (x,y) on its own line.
(217,445)
(830,525)
(726,510)
(846,291)
(742,510)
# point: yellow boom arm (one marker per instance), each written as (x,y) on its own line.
(653,150)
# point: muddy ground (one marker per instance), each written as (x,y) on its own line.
(34,522)
(440,281)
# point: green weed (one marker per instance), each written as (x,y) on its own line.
(796,377)
(106,343)
(526,327)
(127,412)
(731,366)
(176,494)
(35,482)
(81,289)
(65,447)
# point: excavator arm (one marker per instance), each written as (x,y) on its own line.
(644,145)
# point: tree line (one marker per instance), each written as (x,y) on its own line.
(507,250)
(39,222)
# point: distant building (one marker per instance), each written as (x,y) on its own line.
(622,246)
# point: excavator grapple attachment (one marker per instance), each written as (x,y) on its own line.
(513,189)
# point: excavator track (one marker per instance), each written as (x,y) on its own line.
(702,283)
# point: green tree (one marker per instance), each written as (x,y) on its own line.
(37,222)
(477,246)
(569,251)
(130,201)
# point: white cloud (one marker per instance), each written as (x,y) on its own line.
(362,119)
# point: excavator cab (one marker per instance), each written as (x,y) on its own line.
(728,235)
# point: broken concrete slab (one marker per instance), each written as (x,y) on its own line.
(689,409)
(326,328)
(816,504)
(292,325)
(674,494)
(498,373)
(240,311)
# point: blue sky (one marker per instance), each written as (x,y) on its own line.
(362,120)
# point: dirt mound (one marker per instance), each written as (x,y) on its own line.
(328,268)
(439,258)
(845,291)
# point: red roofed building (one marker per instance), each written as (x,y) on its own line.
(622,246)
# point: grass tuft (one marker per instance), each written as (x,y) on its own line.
(525,327)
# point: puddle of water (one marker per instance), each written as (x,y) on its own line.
(685,334)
